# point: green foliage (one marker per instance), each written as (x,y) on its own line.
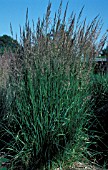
(49,112)
(3,160)
(99,123)
(8,43)
(48,92)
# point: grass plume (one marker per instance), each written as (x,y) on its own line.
(48,91)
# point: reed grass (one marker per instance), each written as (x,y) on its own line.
(49,90)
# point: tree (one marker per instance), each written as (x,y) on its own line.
(8,43)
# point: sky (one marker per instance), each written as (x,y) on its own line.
(14,12)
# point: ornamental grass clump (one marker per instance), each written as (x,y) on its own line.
(48,90)
(49,112)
